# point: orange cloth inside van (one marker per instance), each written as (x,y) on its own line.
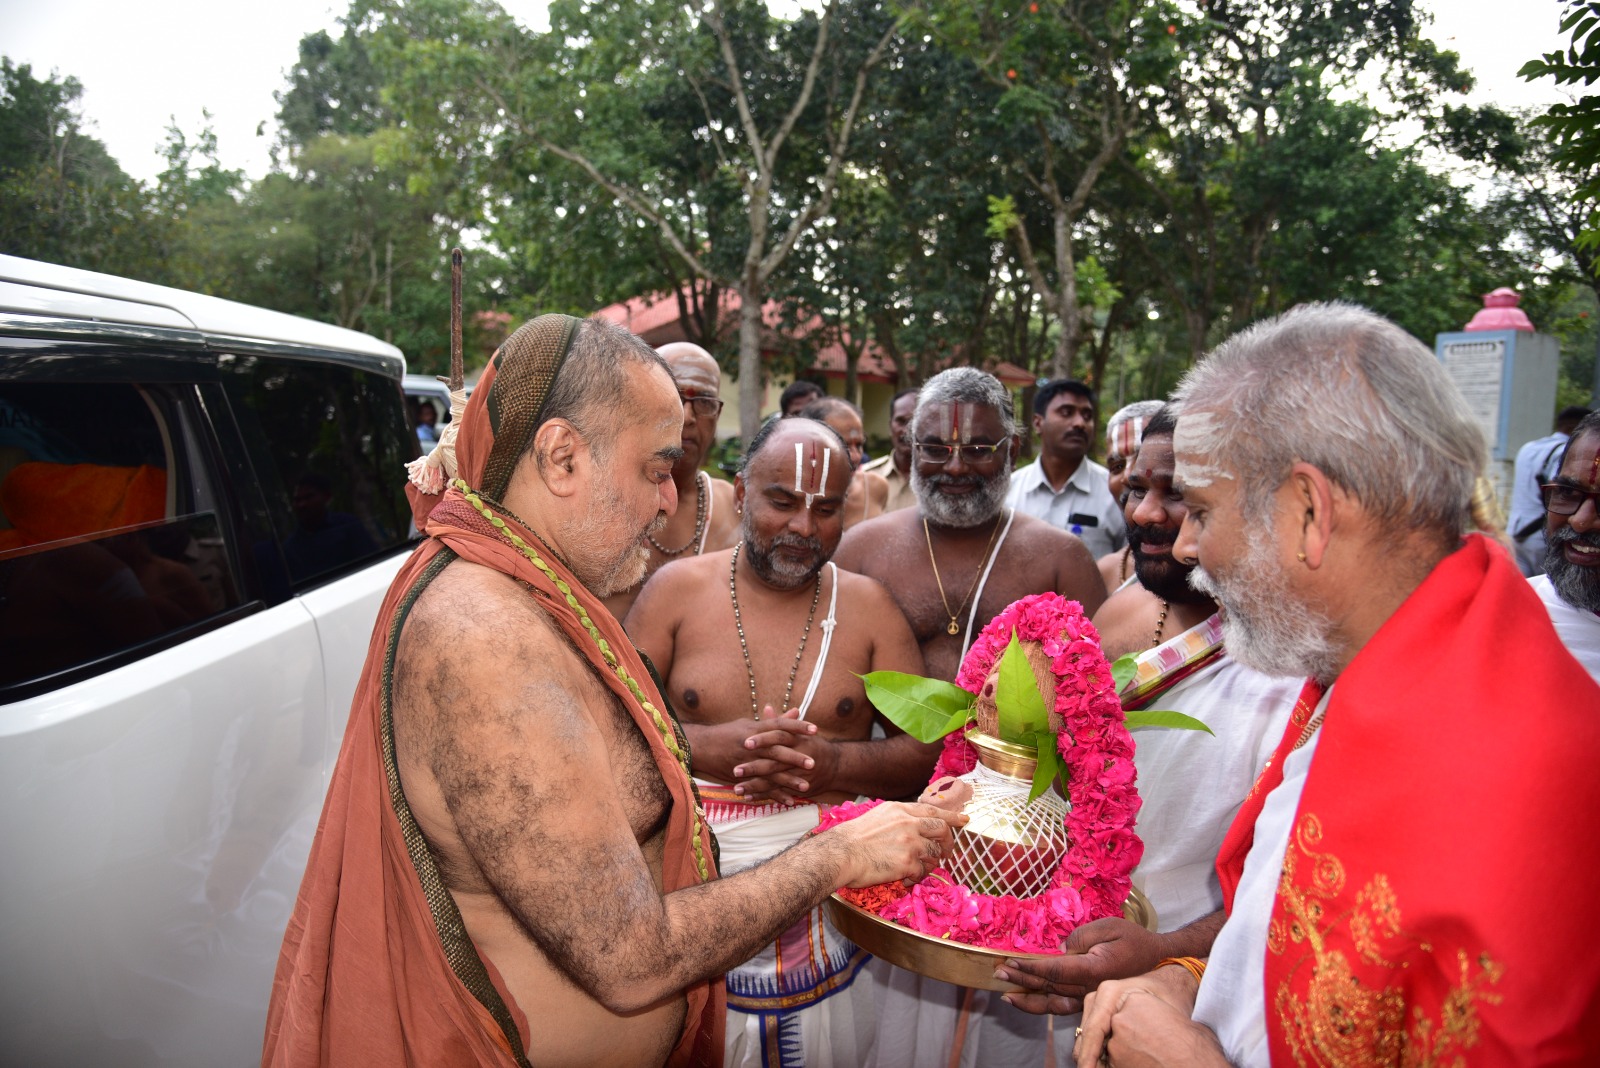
(48,502)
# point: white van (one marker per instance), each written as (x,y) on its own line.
(201,505)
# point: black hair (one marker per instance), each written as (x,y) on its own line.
(1163,424)
(1057,386)
(1589,424)
(912,392)
(795,390)
(759,442)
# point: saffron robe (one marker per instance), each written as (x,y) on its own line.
(1441,865)
(376,965)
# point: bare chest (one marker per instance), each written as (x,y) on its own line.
(713,670)
(944,620)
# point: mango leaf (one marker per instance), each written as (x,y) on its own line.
(1123,671)
(926,709)
(1150,717)
(1021,706)
(1049,766)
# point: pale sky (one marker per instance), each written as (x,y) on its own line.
(144,64)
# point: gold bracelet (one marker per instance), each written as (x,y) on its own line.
(1193,965)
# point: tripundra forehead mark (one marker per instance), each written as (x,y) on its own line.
(1197,435)
(952,421)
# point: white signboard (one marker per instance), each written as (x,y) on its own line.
(1478,370)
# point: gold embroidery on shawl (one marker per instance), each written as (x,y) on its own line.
(1341,1020)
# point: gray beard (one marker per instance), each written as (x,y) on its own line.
(777,571)
(1578,586)
(624,568)
(1265,625)
(962,511)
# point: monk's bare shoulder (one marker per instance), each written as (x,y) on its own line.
(469,617)
(687,573)
(1121,608)
(469,602)
(670,596)
(869,597)
(894,646)
(864,542)
(1076,576)
(877,487)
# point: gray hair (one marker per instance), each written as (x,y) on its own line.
(590,387)
(1351,394)
(966,385)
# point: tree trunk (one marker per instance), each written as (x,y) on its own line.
(751,387)
(1068,312)
(852,386)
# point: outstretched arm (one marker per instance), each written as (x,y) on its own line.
(548,788)
(1099,951)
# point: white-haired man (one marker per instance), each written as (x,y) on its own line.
(957,559)
(1383,911)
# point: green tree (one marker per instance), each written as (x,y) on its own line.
(62,197)
(1575,127)
(1077,77)
(776,107)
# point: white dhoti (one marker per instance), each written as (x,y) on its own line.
(796,1003)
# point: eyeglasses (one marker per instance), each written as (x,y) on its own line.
(702,406)
(1566,500)
(936,452)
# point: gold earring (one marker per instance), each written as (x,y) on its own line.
(1302,557)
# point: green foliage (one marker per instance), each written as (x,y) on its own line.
(1575,127)
(1021,707)
(927,709)
(1023,711)
(1151,717)
(1208,165)
(1123,669)
(62,197)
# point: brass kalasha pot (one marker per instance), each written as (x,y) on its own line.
(1010,845)
(1007,842)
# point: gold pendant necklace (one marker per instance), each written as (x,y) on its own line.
(954,626)
(738,624)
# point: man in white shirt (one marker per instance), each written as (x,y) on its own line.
(1535,465)
(1570,585)
(1367,916)
(1064,487)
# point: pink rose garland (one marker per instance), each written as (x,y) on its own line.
(1094,877)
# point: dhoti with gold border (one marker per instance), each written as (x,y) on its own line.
(796,1002)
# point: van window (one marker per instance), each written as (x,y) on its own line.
(329,445)
(109,529)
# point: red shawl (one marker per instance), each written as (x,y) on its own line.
(376,966)
(1443,867)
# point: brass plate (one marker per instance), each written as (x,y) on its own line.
(940,958)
